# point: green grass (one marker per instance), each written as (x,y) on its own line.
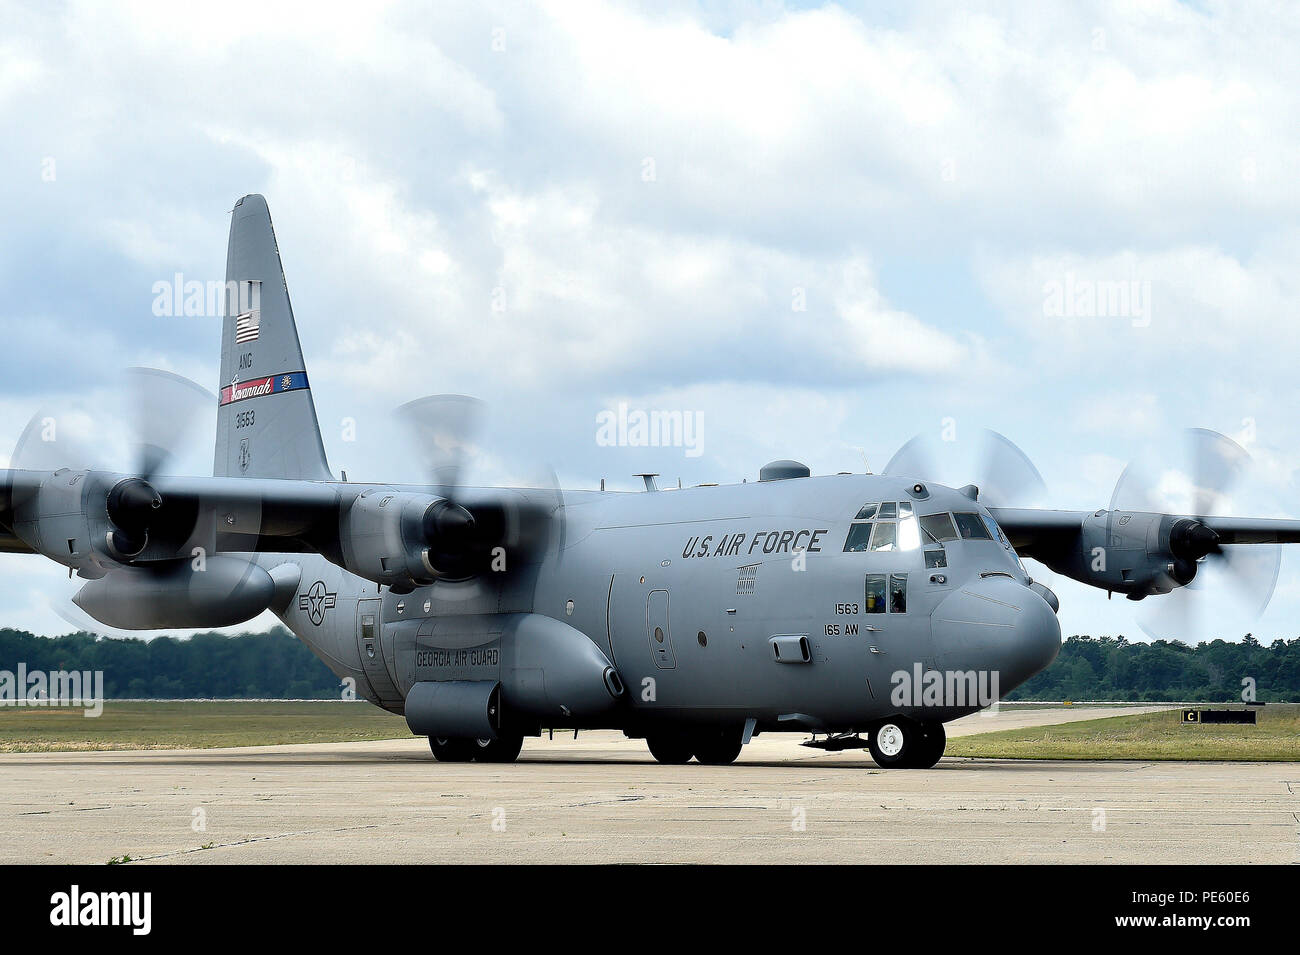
(193,725)
(1276,737)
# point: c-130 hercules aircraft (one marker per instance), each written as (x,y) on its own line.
(693,618)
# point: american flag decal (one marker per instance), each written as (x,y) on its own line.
(247,326)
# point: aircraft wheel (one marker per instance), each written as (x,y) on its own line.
(503,749)
(931,749)
(717,747)
(669,748)
(894,742)
(451,749)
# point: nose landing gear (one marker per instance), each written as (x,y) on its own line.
(906,744)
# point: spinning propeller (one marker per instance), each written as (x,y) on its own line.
(161,410)
(477,530)
(1003,474)
(1204,572)
(138,559)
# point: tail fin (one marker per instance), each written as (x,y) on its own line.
(266,421)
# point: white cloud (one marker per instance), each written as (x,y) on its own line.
(914,176)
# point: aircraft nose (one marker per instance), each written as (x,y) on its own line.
(997,624)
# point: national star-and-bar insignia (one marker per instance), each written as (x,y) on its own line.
(316,601)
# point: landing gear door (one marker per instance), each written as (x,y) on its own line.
(371,649)
(657,630)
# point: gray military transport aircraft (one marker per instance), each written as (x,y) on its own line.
(835,606)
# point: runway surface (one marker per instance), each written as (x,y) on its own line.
(602,799)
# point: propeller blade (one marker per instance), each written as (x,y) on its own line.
(1001,470)
(525,524)
(1216,465)
(1233,583)
(1252,570)
(445,429)
(53,440)
(915,459)
(1006,476)
(166,408)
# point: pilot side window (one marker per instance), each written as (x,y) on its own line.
(867,512)
(996,531)
(875,599)
(938,528)
(859,537)
(972,527)
(898,593)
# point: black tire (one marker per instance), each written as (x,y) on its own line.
(451,749)
(672,749)
(503,749)
(894,742)
(930,751)
(717,747)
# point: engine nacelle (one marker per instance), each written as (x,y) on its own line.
(93,521)
(1134,553)
(395,537)
(55,519)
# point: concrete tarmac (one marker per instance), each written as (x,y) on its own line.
(601,799)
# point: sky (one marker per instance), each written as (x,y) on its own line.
(817,230)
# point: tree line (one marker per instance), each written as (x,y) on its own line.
(1112,668)
(270,665)
(276,665)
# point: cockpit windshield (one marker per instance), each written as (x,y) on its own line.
(894,525)
(971,526)
(882,527)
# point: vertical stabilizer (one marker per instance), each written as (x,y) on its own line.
(266,421)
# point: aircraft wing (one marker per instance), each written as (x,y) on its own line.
(1030,528)
(1248,530)
(1035,532)
(398,535)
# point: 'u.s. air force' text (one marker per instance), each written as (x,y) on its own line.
(767,542)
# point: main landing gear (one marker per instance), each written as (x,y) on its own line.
(503,749)
(905,744)
(712,747)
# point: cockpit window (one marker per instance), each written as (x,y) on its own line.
(971,526)
(885,536)
(938,528)
(996,531)
(875,599)
(898,593)
(859,536)
(889,526)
